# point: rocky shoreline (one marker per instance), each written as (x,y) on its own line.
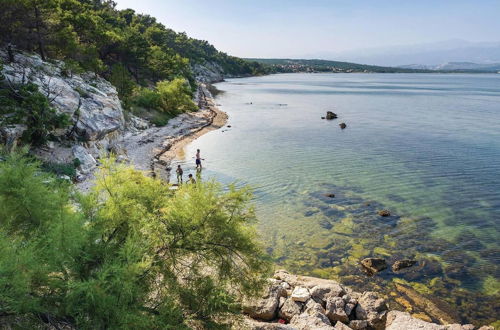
(153,148)
(292,302)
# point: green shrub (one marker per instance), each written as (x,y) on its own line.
(147,98)
(175,96)
(130,255)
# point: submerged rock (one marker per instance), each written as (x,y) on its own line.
(374,265)
(401,264)
(342,125)
(330,195)
(384,213)
(431,306)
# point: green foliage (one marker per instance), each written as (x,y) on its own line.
(166,100)
(24,104)
(175,96)
(59,169)
(132,254)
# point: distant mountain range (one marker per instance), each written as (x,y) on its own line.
(426,55)
(456,66)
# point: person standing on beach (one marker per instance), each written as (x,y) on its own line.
(179,172)
(198,160)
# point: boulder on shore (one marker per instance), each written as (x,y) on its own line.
(374,265)
(266,307)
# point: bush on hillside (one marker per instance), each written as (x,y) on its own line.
(130,255)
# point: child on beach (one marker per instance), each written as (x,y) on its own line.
(198,160)
(191,179)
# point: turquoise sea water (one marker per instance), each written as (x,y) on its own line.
(424,146)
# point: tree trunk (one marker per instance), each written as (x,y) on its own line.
(39,33)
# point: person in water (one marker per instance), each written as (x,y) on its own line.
(198,160)
(191,179)
(179,172)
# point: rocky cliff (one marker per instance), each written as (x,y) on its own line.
(91,103)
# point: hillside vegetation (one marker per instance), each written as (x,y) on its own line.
(130,50)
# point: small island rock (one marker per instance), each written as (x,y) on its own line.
(330,115)
(342,125)
(374,265)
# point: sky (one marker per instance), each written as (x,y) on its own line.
(297,28)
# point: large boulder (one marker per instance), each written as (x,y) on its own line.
(400,320)
(372,309)
(265,307)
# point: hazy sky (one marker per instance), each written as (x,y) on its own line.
(293,28)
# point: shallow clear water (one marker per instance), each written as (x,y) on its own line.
(424,146)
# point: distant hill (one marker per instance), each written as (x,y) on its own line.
(302,65)
(432,53)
